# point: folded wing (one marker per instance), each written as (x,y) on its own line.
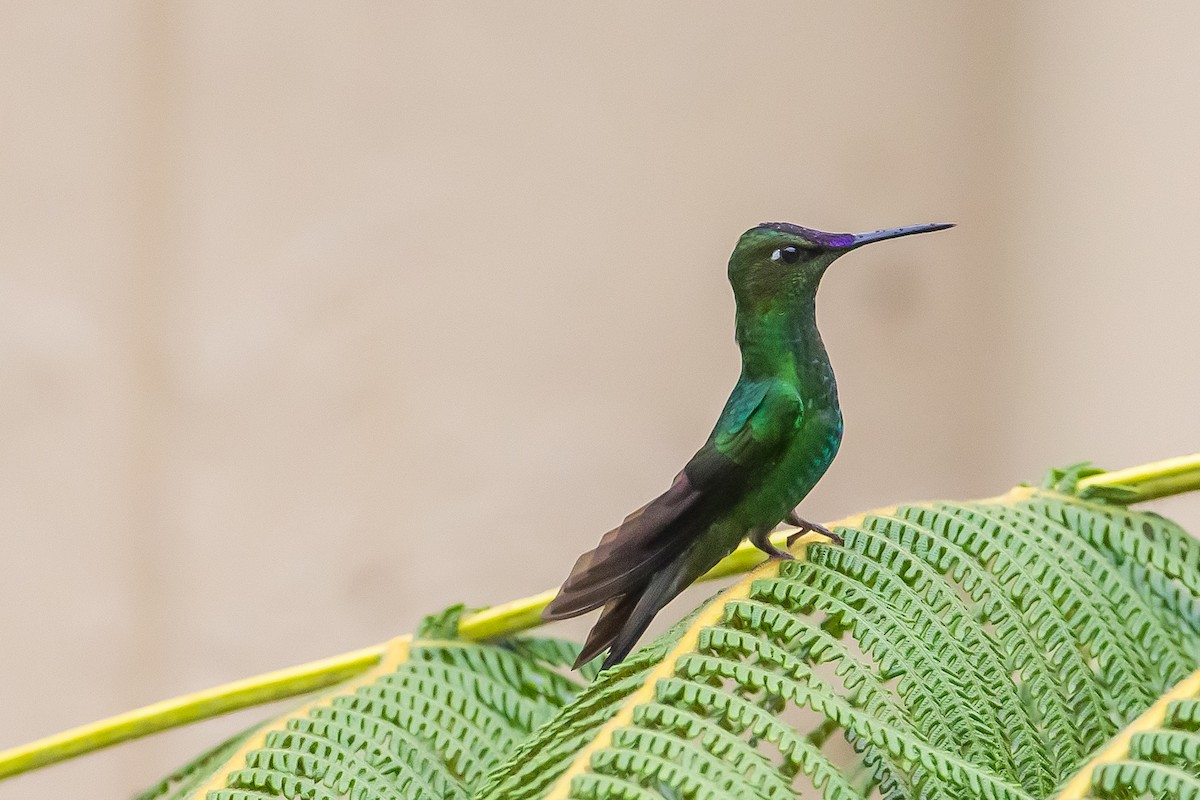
(642,564)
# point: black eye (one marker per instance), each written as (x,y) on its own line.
(788,255)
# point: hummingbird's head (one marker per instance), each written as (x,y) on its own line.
(778,260)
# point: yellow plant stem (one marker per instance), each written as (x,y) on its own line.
(189,708)
(1161,478)
(1150,481)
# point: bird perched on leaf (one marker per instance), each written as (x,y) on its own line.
(776,436)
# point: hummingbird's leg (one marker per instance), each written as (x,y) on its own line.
(761,538)
(805,526)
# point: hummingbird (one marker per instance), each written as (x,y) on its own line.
(777,434)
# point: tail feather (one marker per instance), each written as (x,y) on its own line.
(626,617)
(661,590)
(612,618)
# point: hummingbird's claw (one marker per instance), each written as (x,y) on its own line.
(761,538)
(805,526)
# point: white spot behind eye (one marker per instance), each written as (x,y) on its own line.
(778,254)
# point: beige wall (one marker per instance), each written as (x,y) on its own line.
(316,318)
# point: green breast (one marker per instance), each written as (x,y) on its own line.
(805,461)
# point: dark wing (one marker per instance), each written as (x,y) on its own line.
(712,482)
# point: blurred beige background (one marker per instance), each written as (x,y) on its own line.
(315,318)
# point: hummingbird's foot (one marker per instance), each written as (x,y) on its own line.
(805,526)
(761,538)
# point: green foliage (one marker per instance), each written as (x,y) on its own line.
(948,650)
(431,728)
(1161,762)
(183,782)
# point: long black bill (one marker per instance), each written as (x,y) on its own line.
(891,233)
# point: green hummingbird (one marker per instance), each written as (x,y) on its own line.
(776,436)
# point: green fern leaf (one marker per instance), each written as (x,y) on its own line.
(993,649)
(429,721)
(948,650)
